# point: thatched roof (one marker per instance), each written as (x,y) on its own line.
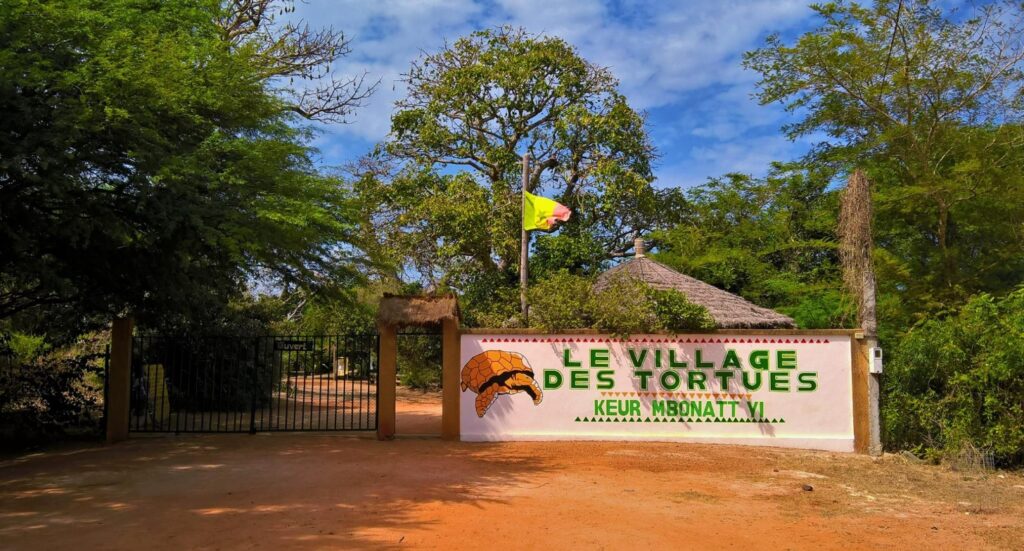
(416,310)
(727,309)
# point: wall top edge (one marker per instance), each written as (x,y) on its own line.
(857,333)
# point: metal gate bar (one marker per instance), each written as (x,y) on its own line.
(254,384)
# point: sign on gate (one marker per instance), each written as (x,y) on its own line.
(294,345)
(763,389)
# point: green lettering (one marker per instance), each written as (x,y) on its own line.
(657,407)
(701,364)
(605,379)
(579,379)
(786,359)
(759,360)
(637,362)
(778,381)
(723,379)
(670,380)
(567,359)
(751,385)
(672,361)
(599,407)
(644,375)
(696,379)
(599,357)
(731,360)
(552,379)
(808,381)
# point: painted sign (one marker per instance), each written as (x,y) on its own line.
(774,390)
(294,345)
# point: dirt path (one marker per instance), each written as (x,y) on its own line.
(325,491)
(417,412)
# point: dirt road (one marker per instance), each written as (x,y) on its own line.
(325,491)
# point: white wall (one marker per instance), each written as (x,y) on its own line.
(821,418)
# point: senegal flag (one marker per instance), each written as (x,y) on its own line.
(541,213)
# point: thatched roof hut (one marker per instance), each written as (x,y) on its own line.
(727,309)
(416,310)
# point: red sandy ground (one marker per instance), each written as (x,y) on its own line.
(320,491)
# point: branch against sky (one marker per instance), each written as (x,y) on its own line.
(289,50)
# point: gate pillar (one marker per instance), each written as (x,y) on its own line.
(450,345)
(386,381)
(119,380)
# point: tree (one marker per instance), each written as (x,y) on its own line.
(149,165)
(472,110)
(930,104)
(770,240)
(856,244)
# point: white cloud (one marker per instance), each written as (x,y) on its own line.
(680,60)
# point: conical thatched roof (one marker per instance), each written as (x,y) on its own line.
(727,309)
(416,310)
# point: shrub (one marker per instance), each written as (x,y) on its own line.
(625,306)
(45,393)
(958,382)
(560,301)
(675,313)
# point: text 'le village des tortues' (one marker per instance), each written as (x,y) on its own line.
(655,369)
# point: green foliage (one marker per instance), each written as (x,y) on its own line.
(47,393)
(419,361)
(959,381)
(476,106)
(675,313)
(930,110)
(561,301)
(625,306)
(769,240)
(148,165)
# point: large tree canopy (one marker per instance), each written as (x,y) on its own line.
(149,164)
(472,110)
(930,104)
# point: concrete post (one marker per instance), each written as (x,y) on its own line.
(119,380)
(450,351)
(874,396)
(387,375)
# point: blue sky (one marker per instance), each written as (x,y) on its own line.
(678,61)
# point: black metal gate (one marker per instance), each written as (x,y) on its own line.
(254,384)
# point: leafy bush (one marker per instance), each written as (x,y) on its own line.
(560,301)
(958,382)
(622,308)
(675,313)
(419,361)
(625,306)
(45,393)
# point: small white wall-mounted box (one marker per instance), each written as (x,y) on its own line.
(875,360)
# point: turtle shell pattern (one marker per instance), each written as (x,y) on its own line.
(495,372)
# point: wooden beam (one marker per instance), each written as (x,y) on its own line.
(119,380)
(386,381)
(450,359)
(861,418)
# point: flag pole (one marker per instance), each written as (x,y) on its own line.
(524,242)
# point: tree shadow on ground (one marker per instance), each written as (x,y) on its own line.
(236,490)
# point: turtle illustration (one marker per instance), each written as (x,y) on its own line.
(495,372)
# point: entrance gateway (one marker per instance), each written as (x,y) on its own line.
(774,387)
